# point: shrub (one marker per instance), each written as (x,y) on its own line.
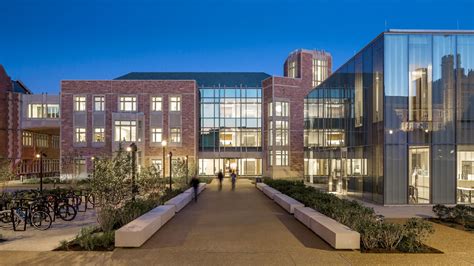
(460,214)
(390,235)
(375,233)
(90,238)
(416,232)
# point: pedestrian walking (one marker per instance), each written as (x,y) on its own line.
(233,177)
(195,184)
(220,176)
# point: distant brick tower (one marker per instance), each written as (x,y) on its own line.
(284,111)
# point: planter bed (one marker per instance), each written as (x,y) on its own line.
(334,233)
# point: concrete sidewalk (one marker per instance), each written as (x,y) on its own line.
(243,227)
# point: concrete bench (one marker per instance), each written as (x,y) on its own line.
(180,201)
(138,231)
(202,186)
(304,214)
(287,203)
(270,192)
(334,233)
(260,186)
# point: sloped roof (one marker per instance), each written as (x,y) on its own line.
(228,79)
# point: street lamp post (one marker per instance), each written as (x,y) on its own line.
(187,168)
(163,145)
(40,157)
(93,166)
(171,172)
(133,149)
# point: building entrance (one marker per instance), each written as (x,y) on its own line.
(230,166)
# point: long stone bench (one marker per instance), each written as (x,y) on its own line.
(336,234)
(260,186)
(180,201)
(138,231)
(202,186)
(287,203)
(304,215)
(270,192)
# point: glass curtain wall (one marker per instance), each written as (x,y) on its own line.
(230,119)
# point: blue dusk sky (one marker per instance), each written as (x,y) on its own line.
(43,42)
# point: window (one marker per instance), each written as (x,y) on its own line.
(419,175)
(359,93)
(125,130)
(27,138)
(79,103)
(128,104)
(52,110)
(175,103)
(292,69)
(281,108)
(41,140)
(80,168)
(99,134)
(281,134)
(158,164)
(320,71)
(55,141)
(156,135)
(35,111)
(80,135)
(156,104)
(281,158)
(175,134)
(99,103)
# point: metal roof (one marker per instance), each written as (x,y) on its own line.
(203,79)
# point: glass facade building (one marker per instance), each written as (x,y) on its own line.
(395,124)
(230,128)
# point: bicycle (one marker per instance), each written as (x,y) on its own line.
(39,219)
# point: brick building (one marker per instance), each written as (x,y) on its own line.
(219,120)
(29,125)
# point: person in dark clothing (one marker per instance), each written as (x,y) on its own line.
(195,184)
(233,178)
(220,176)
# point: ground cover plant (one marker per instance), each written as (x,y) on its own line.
(118,202)
(376,234)
(462,215)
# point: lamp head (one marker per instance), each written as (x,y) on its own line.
(164,143)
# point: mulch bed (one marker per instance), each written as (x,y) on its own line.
(451,224)
(426,250)
(76,247)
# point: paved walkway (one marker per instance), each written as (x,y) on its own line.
(243,227)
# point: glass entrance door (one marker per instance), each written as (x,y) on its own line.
(419,177)
(230,166)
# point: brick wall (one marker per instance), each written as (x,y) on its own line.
(143,90)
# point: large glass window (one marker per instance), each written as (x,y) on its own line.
(359,92)
(99,103)
(80,135)
(281,157)
(465,89)
(52,110)
(128,104)
(419,175)
(420,94)
(281,133)
(125,130)
(281,109)
(99,134)
(465,170)
(320,71)
(292,69)
(175,135)
(175,103)
(156,135)
(156,104)
(79,103)
(27,138)
(35,110)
